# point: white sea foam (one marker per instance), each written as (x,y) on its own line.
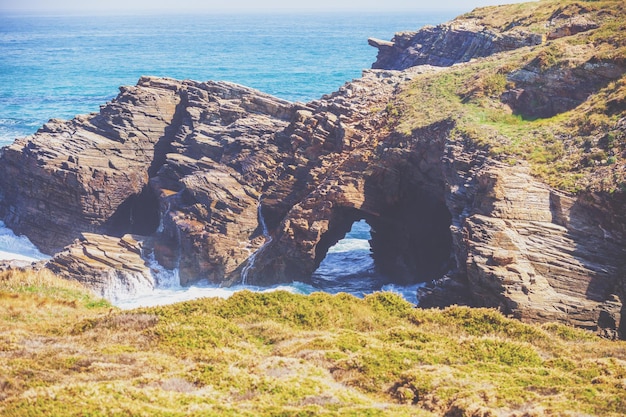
(169,291)
(350,245)
(345,258)
(408,292)
(20,248)
(173,294)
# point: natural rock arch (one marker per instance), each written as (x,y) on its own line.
(310,170)
(410,241)
(411,237)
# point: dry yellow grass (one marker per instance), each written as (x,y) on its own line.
(64,353)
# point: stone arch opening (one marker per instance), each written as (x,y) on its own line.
(410,242)
(348,265)
(339,225)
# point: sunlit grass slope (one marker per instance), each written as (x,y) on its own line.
(580,149)
(64,353)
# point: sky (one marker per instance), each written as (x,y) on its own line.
(190,6)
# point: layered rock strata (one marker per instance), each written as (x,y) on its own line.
(531,251)
(226,184)
(447,44)
(87,174)
(112,267)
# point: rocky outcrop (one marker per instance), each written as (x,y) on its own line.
(539,93)
(226,184)
(448,44)
(244,186)
(223,155)
(531,251)
(88,174)
(112,267)
(266,203)
(381,178)
(570,20)
(183,160)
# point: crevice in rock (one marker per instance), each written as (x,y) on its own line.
(144,213)
(164,144)
(138,214)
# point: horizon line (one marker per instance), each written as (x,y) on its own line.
(248,11)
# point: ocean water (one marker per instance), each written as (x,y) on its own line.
(61,66)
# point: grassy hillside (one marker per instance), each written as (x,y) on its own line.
(64,353)
(583,148)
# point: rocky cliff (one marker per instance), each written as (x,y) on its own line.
(448,44)
(463,189)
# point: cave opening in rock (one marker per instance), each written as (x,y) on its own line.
(412,241)
(348,265)
(138,214)
(407,243)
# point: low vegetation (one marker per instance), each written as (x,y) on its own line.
(574,149)
(65,353)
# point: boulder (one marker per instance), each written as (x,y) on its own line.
(113,268)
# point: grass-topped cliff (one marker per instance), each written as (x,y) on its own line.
(560,105)
(64,353)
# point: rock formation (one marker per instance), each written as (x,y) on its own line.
(531,251)
(88,174)
(448,44)
(227,184)
(111,267)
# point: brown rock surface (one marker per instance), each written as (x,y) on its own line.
(112,267)
(539,254)
(364,173)
(540,93)
(87,174)
(227,184)
(223,155)
(447,44)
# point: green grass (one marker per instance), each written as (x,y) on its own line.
(581,149)
(284,354)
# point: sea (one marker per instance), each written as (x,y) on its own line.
(59,66)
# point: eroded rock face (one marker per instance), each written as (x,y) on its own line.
(541,93)
(224,154)
(225,171)
(112,267)
(386,180)
(533,252)
(87,174)
(447,44)
(227,184)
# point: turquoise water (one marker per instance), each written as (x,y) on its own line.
(60,66)
(57,67)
